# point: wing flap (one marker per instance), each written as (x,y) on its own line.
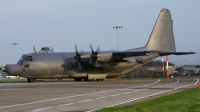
(175,53)
(130,53)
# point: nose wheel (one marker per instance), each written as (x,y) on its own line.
(31,80)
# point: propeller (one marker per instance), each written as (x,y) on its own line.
(78,57)
(34,49)
(93,60)
(51,49)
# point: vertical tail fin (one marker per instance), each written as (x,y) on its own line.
(162,35)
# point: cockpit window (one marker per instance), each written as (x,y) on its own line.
(20,62)
(24,58)
(29,58)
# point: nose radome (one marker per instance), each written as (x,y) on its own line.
(13,69)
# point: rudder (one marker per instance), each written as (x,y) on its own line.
(162,35)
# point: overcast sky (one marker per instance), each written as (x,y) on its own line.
(63,23)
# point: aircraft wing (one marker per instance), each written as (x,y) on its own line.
(130,53)
(175,53)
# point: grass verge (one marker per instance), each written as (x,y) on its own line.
(185,101)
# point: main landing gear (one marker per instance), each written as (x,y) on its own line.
(78,79)
(31,80)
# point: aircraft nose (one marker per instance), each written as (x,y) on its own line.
(13,69)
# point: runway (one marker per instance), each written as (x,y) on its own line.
(85,96)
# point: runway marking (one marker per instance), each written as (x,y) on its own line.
(167,85)
(136,90)
(197,81)
(127,93)
(68,97)
(41,109)
(147,84)
(10,89)
(115,95)
(85,101)
(55,99)
(147,96)
(66,104)
(177,81)
(100,98)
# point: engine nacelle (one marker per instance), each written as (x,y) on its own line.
(139,60)
(75,74)
(104,56)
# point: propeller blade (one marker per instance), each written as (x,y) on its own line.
(34,49)
(76,50)
(79,66)
(51,49)
(98,49)
(93,60)
(77,57)
(90,61)
(91,48)
(74,61)
(96,64)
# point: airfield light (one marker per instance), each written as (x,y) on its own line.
(15,44)
(117,27)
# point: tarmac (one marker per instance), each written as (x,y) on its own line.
(85,96)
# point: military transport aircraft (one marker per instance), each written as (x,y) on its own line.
(98,65)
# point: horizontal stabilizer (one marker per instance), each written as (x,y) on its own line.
(175,53)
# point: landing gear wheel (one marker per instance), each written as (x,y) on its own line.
(31,80)
(91,79)
(78,79)
(99,79)
(85,79)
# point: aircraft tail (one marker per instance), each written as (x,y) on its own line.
(162,35)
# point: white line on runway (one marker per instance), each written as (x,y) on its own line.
(136,90)
(168,84)
(147,96)
(41,109)
(127,93)
(66,104)
(197,81)
(10,89)
(100,98)
(55,99)
(147,84)
(85,101)
(115,95)
(67,97)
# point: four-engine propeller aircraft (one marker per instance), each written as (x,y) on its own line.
(98,65)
